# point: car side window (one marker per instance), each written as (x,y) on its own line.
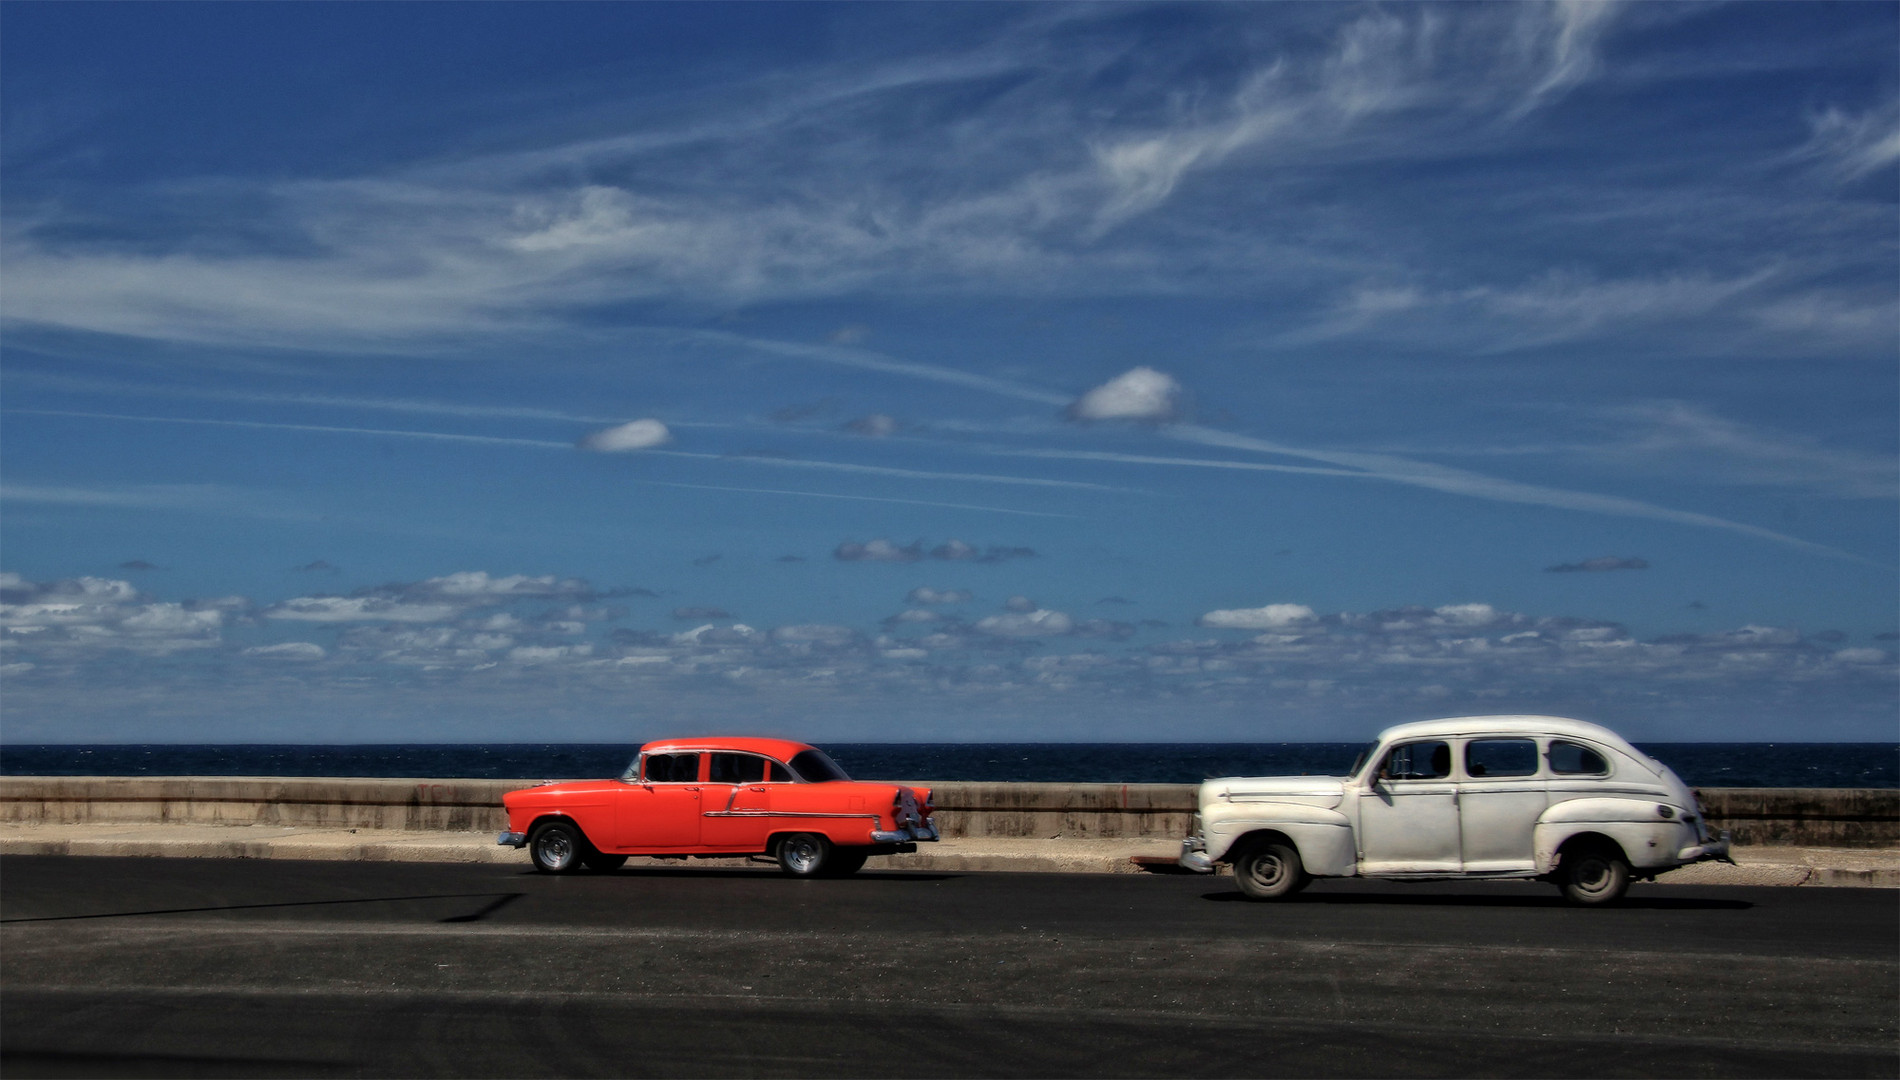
(672,768)
(1418,761)
(1570,759)
(1488,758)
(737,769)
(777,773)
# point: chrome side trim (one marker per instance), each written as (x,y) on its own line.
(781,813)
(1714,851)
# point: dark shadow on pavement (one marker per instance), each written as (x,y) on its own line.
(253,907)
(56,1063)
(487,909)
(757,873)
(1638,903)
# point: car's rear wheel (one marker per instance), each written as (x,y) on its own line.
(601,863)
(1593,874)
(1269,870)
(556,848)
(805,854)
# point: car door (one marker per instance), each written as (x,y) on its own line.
(661,811)
(1499,802)
(1408,817)
(736,802)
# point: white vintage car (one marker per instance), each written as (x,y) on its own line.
(1475,797)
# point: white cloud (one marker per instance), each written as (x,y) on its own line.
(289,650)
(102,613)
(1140,394)
(336,609)
(879,550)
(925,595)
(1270,617)
(1395,469)
(829,201)
(1852,146)
(816,634)
(876,425)
(1563,36)
(633,435)
(1687,440)
(1042,623)
(955,551)
(736,634)
(1465,615)
(544,654)
(472,585)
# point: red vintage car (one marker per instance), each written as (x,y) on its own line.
(708,798)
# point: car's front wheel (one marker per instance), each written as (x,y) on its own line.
(1593,875)
(556,848)
(805,854)
(1269,870)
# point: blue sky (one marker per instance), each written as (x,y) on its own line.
(892,372)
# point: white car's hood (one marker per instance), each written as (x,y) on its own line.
(1311,790)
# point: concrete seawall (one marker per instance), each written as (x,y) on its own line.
(1820,817)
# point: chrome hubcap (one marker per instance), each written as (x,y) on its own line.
(1593,876)
(555,851)
(1267,871)
(801,855)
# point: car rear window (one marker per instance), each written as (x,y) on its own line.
(814,767)
(1486,758)
(1570,759)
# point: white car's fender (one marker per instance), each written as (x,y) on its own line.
(1323,837)
(1647,837)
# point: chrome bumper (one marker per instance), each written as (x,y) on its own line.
(1712,850)
(906,833)
(512,839)
(1194,856)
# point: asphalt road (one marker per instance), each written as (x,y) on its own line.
(188,967)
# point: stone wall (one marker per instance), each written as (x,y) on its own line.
(1814,817)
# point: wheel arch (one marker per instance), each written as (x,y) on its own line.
(1552,840)
(1325,848)
(1265,834)
(1589,839)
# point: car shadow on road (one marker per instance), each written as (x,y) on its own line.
(496,902)
(1637,903)
(757,873)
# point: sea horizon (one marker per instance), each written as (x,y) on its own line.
(1703,764)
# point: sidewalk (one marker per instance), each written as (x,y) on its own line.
(1879,867)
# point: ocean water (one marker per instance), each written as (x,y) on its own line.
(1862,765)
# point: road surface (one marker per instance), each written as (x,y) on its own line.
(212,967)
